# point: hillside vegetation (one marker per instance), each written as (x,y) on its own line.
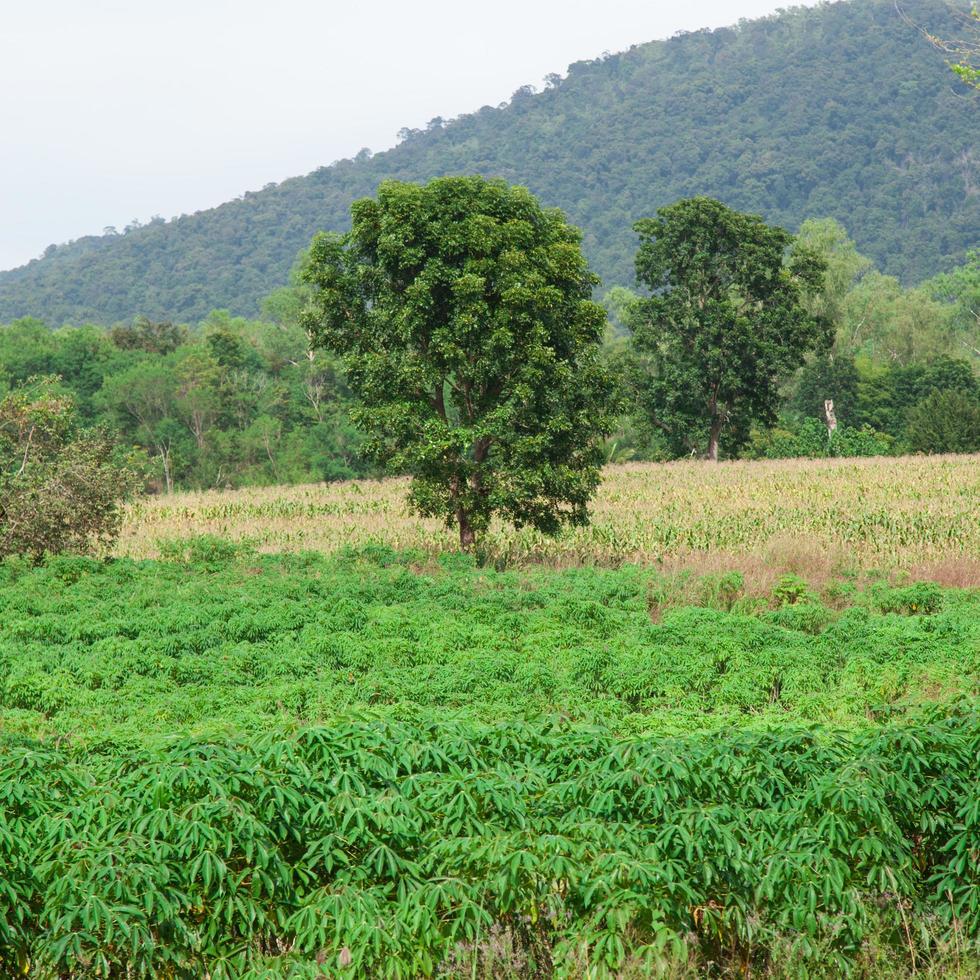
(843,110)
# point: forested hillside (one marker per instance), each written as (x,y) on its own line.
(844,110)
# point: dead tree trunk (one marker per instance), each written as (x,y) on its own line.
(830,418)
(713,438)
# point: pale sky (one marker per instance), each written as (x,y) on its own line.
(112,110)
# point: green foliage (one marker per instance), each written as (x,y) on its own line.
(206,551)
(462,310)
(945,422)
(961,287)
(274,766)
(60,487)
(725,320)
(721,591)
(379,848)
(888,323)
(835,377)
(790,590)
(229,402)
(920,599)
(929,406)
(892,348)
(146,335)
(218,639)
(845,266)
(842,110)
(808,437)
(876,319)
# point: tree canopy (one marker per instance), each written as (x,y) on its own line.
(725,322)
(463,312)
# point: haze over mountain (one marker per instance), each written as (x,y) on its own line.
(843,110)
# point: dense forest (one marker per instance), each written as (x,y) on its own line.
(842,110)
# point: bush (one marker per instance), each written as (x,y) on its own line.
(808,438)
(60,487)
(721,591)
(789,590)
(945,422)
(920,599)
(205,551)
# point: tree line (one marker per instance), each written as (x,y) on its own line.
(453,335)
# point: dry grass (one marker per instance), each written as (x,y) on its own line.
(817,518)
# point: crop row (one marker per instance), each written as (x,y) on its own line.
(383,848)
(870,513)
(127,649)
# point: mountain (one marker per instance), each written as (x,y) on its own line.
(842,110)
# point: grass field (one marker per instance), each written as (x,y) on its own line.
(819,517)
(732,730)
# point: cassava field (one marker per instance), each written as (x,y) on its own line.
(731,729)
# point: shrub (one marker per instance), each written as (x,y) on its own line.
(945,422)
(60,487)
(804,617)
(920,599)
(789,590)
(204,550)
(808,438)
(721,591)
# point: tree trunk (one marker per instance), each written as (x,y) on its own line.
(713,438)
(831,418)
(716,423)
(165,459)
(467,537)
(197,429)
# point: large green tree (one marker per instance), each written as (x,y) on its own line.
(846,266)
(143,400)
(726,320)
(463,312)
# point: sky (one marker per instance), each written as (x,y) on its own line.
(114,110)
